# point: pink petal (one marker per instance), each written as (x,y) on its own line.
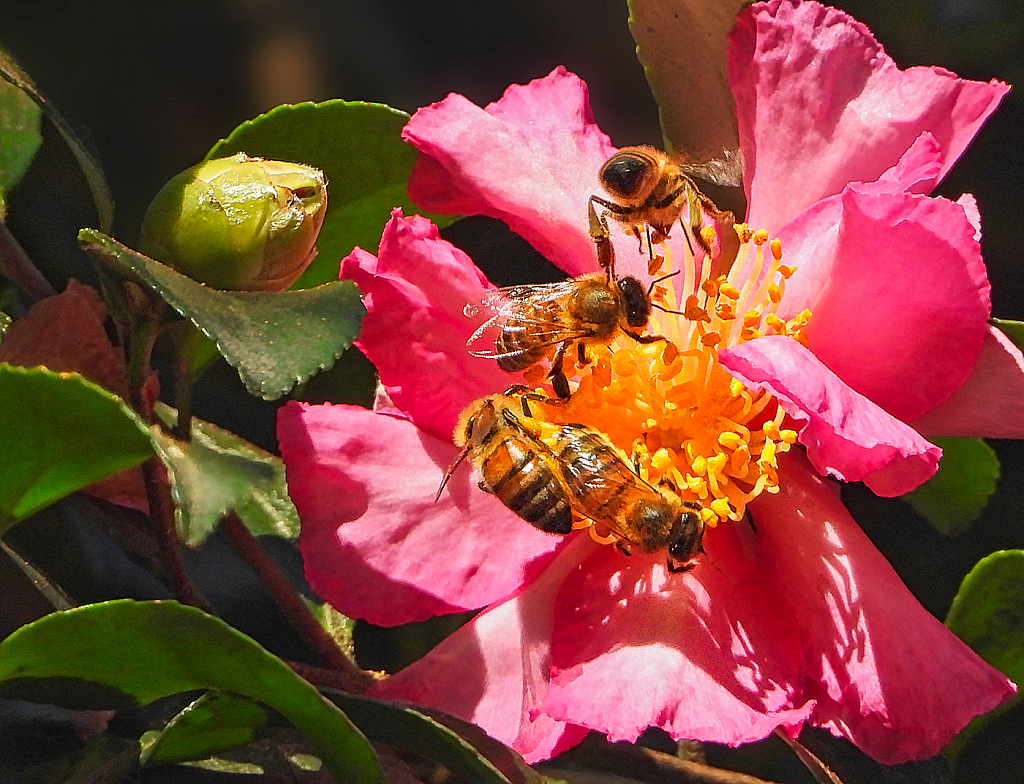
(820,104)
(898,292)
(494,670)
(885,673)
(375,543)
(717,654)
(846,435)
(991,403)
(530,159)
(415,330)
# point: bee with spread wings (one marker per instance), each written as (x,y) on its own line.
(541,321)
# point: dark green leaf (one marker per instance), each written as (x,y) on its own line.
(213,724)
(60,433)
(359,147)
(143,651)
(953,499)
(217,472)
(681,45)
(410,730)
(988,614)
(274,341)
(19,137)
(11,72)
(1012,329)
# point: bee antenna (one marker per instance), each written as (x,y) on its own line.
(667,310)
(448,475)
(656,281)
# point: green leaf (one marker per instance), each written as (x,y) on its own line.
(138,652)
(217,472)
(273,340)
(988,614)
(11,72)
(953,499)
(1014,330)
(19,137)
(59,434)
(360,149)
(411,730)
(681,45)
(213,724)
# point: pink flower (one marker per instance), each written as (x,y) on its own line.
(794,619)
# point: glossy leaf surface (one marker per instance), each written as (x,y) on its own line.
(60,433)
(217,472)
(124,652)
(958,492)
(274,341)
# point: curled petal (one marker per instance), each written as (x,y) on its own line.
(530,159)
(899,294)
(415,330)
(878,665)
(811,85)
(846,435)
(717,656)
(374,542)
(494,671)
(991,403)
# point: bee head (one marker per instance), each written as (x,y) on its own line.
(634,302)
(686,542)
(630,174)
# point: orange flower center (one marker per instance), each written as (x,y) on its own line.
(671,408)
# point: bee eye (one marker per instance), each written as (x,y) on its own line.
(636,305)
(623,175)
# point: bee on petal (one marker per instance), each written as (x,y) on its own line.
(563,477)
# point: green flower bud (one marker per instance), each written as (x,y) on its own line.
(238,223)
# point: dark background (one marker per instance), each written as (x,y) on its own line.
(154,85)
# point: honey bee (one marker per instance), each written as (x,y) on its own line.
(605,489)
(650,188)
(552,480)
(514,463)
(545,320)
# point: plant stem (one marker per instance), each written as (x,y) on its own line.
(350,683)
(18,267)
(285,595)
(161,512)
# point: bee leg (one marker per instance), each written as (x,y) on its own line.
(601,236)
(695,209)
(623,547)
(484,487)
(557,375)
(581,353)
(644,338)
(525,393)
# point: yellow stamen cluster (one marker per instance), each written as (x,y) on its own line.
(672,407)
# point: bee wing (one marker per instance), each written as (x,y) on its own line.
(726,170)
(521,305)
